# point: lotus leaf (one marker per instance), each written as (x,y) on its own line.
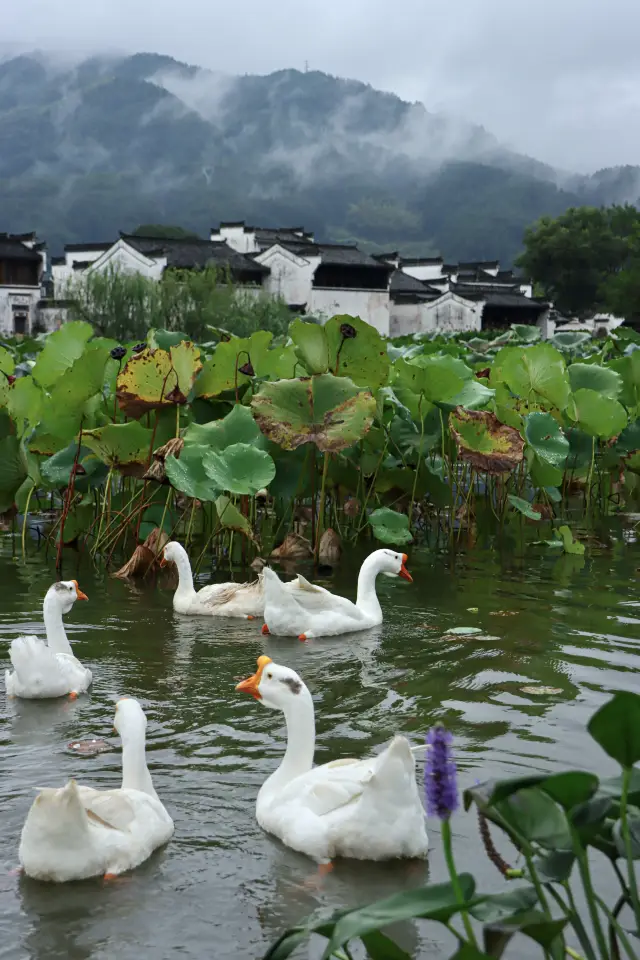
(484,442)
(57,469)
(311,346)
(473,396)
(571,340)
(569,545)
(237,427)
(546,439)
(221,371)
(120,444)
(534,373)
(61,349)
(7,363)
(438,378)
(592,376)
(25,403)
(629,370)
(526,334)
(230,517)
(13,471)
(389,526)
(240,468)
(154,379)
(598,415)
(188,474)
(165,339)
(78,521)
(524,507)
(69,405)
(362,355)
(326,410)
(278,364)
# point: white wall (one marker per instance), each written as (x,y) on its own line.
(237,238)
(447,314)
(125,259)
(547,326)
(423,271)
(370,305)
(291,276)
(23,296)
(52,317)
(406,318)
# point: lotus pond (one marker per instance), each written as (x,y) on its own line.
(235,443)
(557,633)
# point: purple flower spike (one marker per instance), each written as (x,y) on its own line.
(440,774)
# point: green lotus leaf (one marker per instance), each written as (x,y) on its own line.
(534,373)
(543,473)
(598,415)
(311,346)
(61,349)
(278,364)
(571,340)
(120,444)
(222,371)
(7,363)
(165,339)
(13,471)
(629,370)
(592,376)
(546,439)
(326,410)
(389,526)
(25,403)
(188,474)
(78,521)
(569,545)
(68,405)
(240,468)
(524,507)
(155,379)
(361,355)
(230,517)
(237,427)
(525,333)
(484,442)
(438,378)
(473,396)
(56,471)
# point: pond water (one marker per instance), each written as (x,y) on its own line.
(222,888)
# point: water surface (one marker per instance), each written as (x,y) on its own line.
(222,888)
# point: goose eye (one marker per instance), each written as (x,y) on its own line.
(269,676)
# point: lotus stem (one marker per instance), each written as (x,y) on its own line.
(68,498)
(325,467)
(455,883)
(626,836)
(24,519)
(104,508)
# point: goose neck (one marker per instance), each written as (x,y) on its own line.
(367,599)
(135,773)
(54,626)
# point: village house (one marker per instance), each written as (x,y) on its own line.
(23,266)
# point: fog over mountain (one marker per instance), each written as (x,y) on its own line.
(91,146)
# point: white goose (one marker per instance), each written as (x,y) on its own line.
(364,809)
(43,670)
(302,609)
(76,832)
(217,600)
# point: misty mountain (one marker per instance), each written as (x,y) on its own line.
(99,146)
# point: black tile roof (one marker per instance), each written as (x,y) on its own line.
(190,254)
(421,261)
(58,261)
(349,256)
(514,300)
(79,247)
(12,248)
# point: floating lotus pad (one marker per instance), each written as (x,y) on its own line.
(390,526)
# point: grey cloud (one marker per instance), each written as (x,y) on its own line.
(559,80)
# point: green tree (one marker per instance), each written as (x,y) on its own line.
(573,256)
(125,306)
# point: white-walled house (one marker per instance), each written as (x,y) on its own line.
(23,263)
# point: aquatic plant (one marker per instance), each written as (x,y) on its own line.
(560,824)
(425,438)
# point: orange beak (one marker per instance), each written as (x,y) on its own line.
(79,593)
(251,684)
(404,573)
(163,561)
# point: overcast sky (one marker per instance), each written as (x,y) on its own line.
(557,79)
